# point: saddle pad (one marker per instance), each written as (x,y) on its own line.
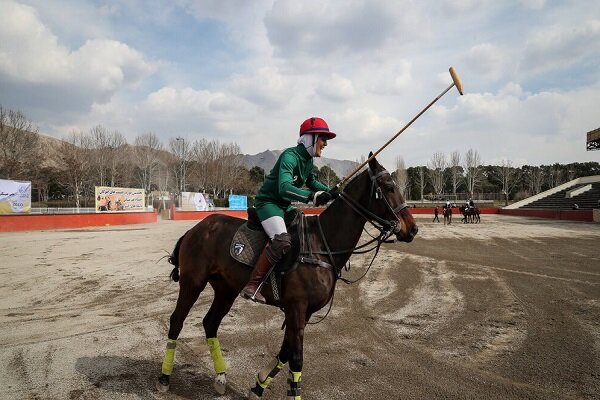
(247,244)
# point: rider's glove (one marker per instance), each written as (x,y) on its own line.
(334,192)
(320,198)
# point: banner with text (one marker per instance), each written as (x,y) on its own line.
(112,199)
(237,202)
(191,201)
(15,196)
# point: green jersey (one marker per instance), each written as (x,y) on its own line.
(283,185)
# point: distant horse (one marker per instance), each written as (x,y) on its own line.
(447,215)
(202,256)
(470,214)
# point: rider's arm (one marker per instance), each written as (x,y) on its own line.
(286,176)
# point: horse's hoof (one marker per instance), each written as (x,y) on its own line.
(252,395)
(220,384)
(162,384)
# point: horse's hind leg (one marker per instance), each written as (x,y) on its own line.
(224,298)
(266,375)
(188,294)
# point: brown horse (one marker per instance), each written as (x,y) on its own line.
(447,215)
(202,256)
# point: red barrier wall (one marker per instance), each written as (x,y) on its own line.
(571,215)
(12,223)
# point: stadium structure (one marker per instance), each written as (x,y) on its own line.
(593,140)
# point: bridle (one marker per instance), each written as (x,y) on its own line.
(384,226)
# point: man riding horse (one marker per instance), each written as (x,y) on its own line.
(293,169)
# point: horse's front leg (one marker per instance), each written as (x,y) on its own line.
(295,318)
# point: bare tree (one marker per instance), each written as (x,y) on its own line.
(507,175)
(455,172)
(401,176)
(99,142)
(19,145)
(117,149)
(162,175)
(76,163)
(108,154)
(199,158)
(436,171)
(422,181)
(472,170)
(182,151)
(229,160)
(146,159)
(535,178)
(216,166)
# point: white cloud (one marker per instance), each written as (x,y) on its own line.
(561,46)
(336,88)
(266,86)
(315,30)
(34,56)
(534,4)
(487,60)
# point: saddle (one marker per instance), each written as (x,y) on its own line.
(250,239)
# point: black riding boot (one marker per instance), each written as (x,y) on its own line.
(263,265)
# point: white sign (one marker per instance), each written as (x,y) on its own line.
(15,197)
(191,201)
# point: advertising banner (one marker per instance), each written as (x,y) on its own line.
(113,199)
(15,197)
(191,201)
(237,202)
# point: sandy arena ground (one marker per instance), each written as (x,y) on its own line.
(506,309)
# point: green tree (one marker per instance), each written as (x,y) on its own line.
(257,175)
(328,176)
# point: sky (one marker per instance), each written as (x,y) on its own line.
(250,72)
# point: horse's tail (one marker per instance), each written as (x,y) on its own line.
(174,260)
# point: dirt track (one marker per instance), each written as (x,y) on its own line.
(507,309)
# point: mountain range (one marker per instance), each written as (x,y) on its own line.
(267,159)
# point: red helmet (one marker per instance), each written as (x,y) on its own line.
(316,125)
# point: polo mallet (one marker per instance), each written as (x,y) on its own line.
(455,82)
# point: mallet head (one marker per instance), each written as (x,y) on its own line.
(456,80)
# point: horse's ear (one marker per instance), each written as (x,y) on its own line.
(373,163)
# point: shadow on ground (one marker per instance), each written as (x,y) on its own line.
(137,376)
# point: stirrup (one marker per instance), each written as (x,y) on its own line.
(245,295)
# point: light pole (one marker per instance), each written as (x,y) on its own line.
(182,187)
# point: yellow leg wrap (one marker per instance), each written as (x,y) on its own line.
(167,365)
(266,375)
(294,392)
(296,376)
(217,357)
